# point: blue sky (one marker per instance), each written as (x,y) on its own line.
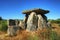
(12,9)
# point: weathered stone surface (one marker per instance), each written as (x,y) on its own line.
(25,21)
(22,25)
(32,22)
(12,27)
(49,25)
(41,22)
(12,22)
(12,30)
(38,11)
(35,19)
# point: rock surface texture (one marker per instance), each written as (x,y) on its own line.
(36,20)
(12,27)
(32,22)
(42,23)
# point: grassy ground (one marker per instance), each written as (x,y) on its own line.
(46,34)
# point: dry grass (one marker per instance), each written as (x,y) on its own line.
(56,28)
(22,35)
(37,35)
(25,35)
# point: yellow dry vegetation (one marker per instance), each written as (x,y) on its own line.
(26,35)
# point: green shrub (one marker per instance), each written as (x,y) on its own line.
(3,25)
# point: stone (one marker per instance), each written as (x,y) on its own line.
(12,22)
(12,27)
(37,10)
(12,30)
(32,22)
(35,19)
(21,25)
(42,22)
(25,21)
(49,25)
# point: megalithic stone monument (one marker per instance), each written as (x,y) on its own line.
(35,19)
(12,27)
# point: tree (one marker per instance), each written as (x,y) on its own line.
(0,18)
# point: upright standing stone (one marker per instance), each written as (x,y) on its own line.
(25,21)
(32,22)
(41,22)
(12,28)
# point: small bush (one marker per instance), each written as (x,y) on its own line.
(3,25)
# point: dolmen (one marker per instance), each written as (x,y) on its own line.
(35,19)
